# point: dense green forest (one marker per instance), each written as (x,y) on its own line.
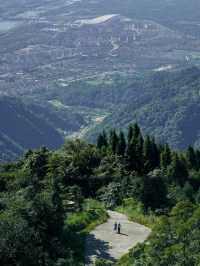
(165,104)
(49,200)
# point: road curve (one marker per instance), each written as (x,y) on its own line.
(104,243)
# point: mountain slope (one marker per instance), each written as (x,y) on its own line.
(89,60)
(166,104)
(26,126)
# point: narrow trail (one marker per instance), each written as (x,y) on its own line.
(104,243)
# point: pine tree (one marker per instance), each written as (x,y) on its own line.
(139,154)
(121,147)
(135,151)
(177,171)
(147,147)
(136,131)
(130,134)
(105,140)
(147,154)
(155,157)
(198,159)
(151,154)
(191,158)
(131,154)
(114,140)
(165,157)
(100,141)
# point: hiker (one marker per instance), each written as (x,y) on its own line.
(115,226)
(119,228)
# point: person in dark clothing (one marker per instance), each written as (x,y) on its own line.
(119,228)
(115,226)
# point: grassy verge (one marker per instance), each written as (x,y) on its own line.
(81,223)
(135,212)
(92,215)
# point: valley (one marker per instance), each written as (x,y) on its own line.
(99,132)
(90,55)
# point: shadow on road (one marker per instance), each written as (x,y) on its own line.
(123,234)
(97,248)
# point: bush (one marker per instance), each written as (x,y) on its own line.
(93,214)
(135,212)
(110,195)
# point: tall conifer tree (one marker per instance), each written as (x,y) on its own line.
(121,147)
(191,158)
(114,140)
(165,157)
(177,171)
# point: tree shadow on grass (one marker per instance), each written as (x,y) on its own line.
(96,248)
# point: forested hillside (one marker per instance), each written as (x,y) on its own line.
(166,104)
(77,78)
(28,125)
(48,200)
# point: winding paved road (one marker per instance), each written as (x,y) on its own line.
(104,243)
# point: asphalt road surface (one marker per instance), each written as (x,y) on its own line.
(104,242)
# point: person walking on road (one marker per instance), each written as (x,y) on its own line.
(119,228)
(115,226)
